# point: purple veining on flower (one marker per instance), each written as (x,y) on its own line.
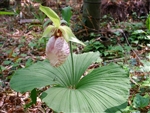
(57,50)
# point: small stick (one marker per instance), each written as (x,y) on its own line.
(34,21)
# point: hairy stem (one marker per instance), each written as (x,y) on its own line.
(72,62)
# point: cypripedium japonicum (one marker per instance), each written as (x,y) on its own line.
(57,48)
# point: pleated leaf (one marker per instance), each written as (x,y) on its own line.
(36,76)
(42,73)
(104,90)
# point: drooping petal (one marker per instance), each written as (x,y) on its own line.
(57,50)
(49,31)
(69,36)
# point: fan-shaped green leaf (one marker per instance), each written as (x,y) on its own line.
(81,63)
(104,90)
(38,75)
(42,73)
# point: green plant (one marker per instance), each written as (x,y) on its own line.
(93,45)
(139,36)
(104,89)
(138,103)
(66,14)
(40,16)
(148,22)
(130,26)
(114,50)
(141,101)
(146,83)
(6,13)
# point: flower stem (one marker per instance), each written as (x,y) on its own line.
(72,62)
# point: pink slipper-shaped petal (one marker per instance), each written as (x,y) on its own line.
(57,51)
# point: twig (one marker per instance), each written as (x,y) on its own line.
(34,21)
(114,60)
(134,81)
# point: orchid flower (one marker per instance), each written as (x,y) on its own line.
(57,48)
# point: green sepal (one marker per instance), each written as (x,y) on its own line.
(51,14)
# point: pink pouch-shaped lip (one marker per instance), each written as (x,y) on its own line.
(57,50)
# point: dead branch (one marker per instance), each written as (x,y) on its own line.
(33,21)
